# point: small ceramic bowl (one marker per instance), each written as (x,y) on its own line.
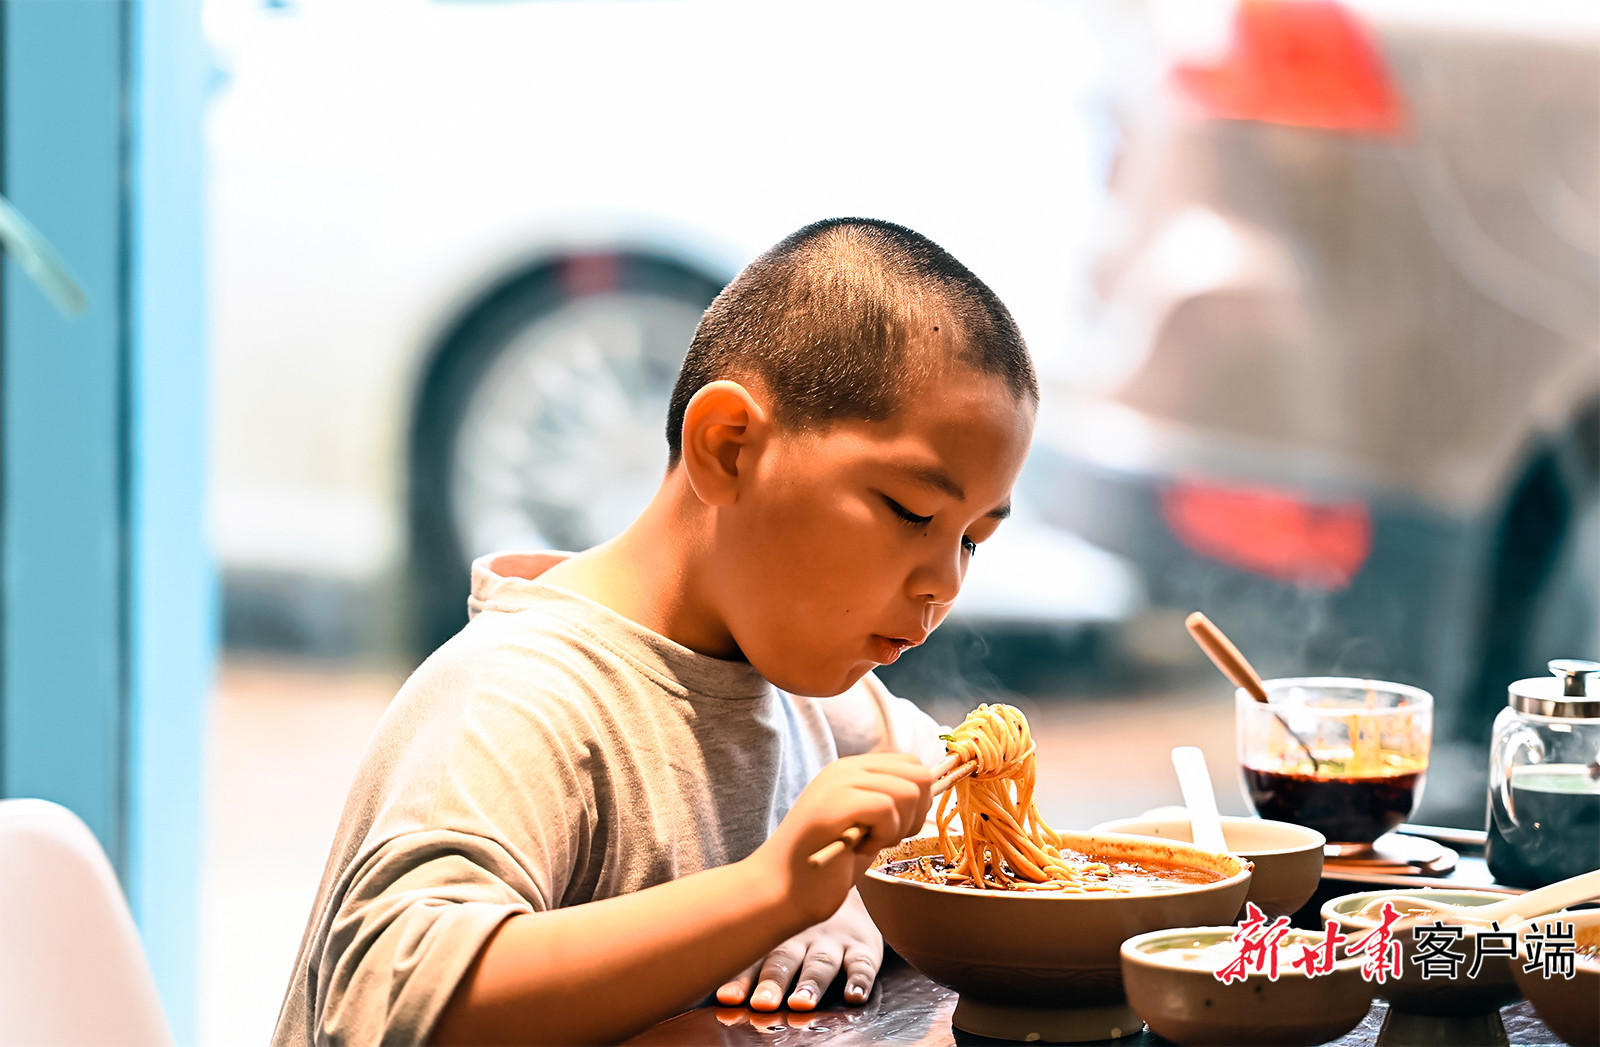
(1287,857)
(1571,1007)
(1174,988)
(1043,965)
(1488,990)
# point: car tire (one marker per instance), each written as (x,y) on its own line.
(539,421)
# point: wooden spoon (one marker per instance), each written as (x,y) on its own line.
(1226,657)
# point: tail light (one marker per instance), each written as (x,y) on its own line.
(1266,532)
(1310,63)
(587,274)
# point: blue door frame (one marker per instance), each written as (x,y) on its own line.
(106,590)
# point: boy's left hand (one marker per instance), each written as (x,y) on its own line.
(809,961)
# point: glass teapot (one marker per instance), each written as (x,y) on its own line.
(1544,778)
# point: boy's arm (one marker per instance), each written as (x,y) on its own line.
(605,969)
(866,718)
(600,971)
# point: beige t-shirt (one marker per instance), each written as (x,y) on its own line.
(551,753)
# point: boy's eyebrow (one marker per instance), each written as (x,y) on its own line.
(929,476)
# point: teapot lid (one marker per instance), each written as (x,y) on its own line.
(1568,692)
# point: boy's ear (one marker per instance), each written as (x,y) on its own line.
(723,427)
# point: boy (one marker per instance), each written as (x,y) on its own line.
(597,802)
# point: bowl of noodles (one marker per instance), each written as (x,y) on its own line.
(1024,922)
(1287,857)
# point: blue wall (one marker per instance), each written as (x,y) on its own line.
(172,606)
(61,421)
(106,593)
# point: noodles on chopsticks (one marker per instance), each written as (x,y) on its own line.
(1004,842)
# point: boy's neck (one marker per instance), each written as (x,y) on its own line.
(648,573)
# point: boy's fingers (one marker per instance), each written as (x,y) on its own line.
(736,990)
(816,974)
(880,813)
(860,971)
(908,762)
(913,803)
(903,773)
(777,972)
(885,794)
(905,807)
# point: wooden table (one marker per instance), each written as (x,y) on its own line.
(906,1008)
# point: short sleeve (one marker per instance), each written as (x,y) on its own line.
(479,822)
(413,917)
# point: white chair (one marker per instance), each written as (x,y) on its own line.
(72,969)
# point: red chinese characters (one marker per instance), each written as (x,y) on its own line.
(1258,946)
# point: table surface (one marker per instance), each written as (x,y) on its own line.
(907,1008)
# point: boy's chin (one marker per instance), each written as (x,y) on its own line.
(814,684)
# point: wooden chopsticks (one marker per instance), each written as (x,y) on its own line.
(946,773)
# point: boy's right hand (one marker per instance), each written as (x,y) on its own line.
(884,793)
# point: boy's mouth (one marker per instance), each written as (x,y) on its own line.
(887,648)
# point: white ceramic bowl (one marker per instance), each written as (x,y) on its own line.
(1287,857)
(1042,964)
(1182,1000)
(1570,1007)
(1488,990)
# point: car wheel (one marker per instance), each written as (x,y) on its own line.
(540,423)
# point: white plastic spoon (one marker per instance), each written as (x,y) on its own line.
(1195,781)
(1581,888)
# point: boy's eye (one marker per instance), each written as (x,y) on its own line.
(969,545)
(907,515)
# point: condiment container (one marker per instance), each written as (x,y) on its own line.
(1544,778)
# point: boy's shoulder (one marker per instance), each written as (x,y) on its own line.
(520,625)
(508,582)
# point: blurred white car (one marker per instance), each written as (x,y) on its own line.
(1345,394)
(458,249)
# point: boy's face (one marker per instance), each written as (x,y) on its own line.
(848,545)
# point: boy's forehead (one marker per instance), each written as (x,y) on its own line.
(936,450)
(957,404)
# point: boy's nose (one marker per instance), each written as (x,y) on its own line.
(937,580)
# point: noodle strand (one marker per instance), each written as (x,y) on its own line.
(1005,844)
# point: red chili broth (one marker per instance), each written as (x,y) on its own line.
(1142,875)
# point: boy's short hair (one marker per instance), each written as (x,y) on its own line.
(841,318)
